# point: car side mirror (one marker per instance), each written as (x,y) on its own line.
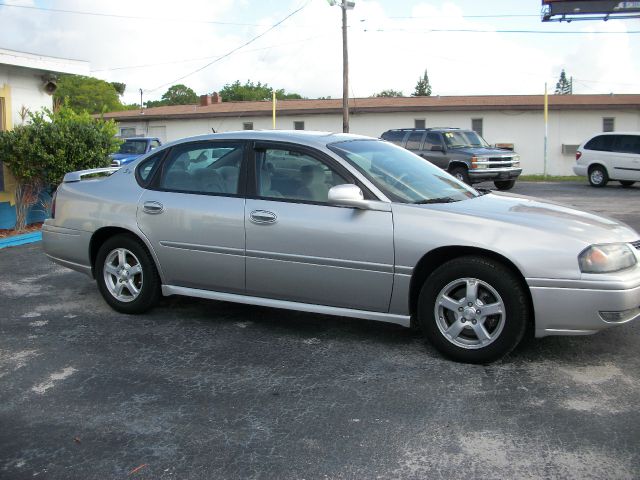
(437,148)
(349,195)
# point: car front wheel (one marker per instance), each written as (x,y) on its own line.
(504,184)
(598,176)
(461,174)
(126,275)
(473,309)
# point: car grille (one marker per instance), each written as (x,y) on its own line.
(636,244)
(500,162)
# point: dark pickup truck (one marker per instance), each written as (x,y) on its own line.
(463,153)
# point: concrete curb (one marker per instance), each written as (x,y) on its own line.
(20,239)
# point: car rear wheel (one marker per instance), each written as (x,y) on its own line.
(461,174)
(598,176)
(627,183)
(473,309)
(126,275)
(504,184)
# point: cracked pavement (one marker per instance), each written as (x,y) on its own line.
(200,389)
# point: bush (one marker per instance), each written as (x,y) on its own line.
(51,144)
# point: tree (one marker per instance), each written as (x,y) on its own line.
(40,152)
(423,87)
(389,93)
(564,86)
(87,94)
(119,87)
(236,92)
(175,95)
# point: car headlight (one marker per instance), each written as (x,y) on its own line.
(606,258)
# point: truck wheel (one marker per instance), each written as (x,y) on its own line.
(473,309)
(504,184)
(461,173)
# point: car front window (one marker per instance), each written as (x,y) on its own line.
(136,147)
(401,175)
(462,139)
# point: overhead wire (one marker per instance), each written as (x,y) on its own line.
(231,52)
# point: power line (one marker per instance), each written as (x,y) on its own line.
(231,52)
(132,17)
(464,16)
(208,57)
(472,30)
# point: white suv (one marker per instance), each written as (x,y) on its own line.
(610,156)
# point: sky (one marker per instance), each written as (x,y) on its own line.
(153,44)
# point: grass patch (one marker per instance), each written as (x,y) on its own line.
(551,178)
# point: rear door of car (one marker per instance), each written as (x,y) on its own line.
(625,157)
(192,212)
(299,247)
(439,156)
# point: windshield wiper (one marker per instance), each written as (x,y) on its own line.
(435,200)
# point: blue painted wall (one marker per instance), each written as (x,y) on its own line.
(8,213)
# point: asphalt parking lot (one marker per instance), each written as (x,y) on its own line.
(201,389)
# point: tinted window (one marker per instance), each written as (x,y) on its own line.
(135,147)
(601,143)
(431,140)
(291,175)
(147,167)
(394,136)
(203,168)
(627,143)
(414,142)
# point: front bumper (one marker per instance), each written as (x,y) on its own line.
(576,308)
(494,174)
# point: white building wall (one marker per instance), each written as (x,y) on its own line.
(25,90)
(524,129)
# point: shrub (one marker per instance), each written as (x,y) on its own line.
(41,152)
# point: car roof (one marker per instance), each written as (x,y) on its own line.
(615,133)
(139,138)
(303,137)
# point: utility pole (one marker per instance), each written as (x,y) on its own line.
(345,5)
(141,101)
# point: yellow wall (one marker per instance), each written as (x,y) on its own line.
(8,194)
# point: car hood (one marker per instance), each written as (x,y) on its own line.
(542,215)
(123,156)
(484,151)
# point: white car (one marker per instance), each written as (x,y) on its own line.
(610,156)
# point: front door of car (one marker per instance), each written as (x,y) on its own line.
(437,155)
(625,157)
(300,248)
(193,215)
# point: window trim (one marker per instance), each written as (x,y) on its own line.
(252,179)
(154,185)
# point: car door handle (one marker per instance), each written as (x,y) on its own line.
(152,207)
(263,216)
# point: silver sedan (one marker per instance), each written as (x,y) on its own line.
(344,225)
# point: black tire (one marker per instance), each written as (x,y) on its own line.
(627,183)
(148,281)
(507,329)
(504,184)
(461,173)
(598,176)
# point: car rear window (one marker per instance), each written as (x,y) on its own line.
(394,136)
(601,143)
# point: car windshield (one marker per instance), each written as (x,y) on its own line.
(463,139)
(136,147)
(401,175)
